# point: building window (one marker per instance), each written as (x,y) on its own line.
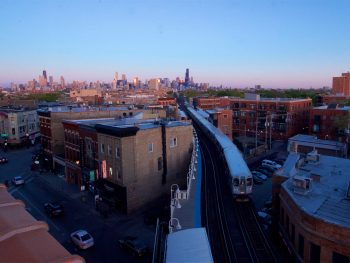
(13,131)
(110,172)
(119,176)
(160,163)
(315,252)
(109,150)
(150,147)
(339,258)
(293,234)
(117,152)
(225,116)
(301,246)
(102,148)
(173,142)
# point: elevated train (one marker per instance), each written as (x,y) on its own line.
(241,180)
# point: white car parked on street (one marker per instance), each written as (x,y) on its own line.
(18,180)
(82,239)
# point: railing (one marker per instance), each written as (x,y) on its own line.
(176,194)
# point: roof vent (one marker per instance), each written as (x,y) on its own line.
(313,157)
(302,185)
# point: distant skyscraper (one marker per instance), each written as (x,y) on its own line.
(51,80)
(44,74)
(136,81)
(62,82)
(187,77)
(115,80)
(153,84)
(123,77)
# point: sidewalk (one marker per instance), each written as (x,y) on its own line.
(70,191)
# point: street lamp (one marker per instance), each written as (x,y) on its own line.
(174,192)
(172,226)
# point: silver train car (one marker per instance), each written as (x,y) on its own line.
(241,180)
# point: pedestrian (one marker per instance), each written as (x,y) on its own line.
(97,199)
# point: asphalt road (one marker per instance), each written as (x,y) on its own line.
(106,231)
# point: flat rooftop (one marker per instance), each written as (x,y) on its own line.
(309,140)
(326,200)
(82,109)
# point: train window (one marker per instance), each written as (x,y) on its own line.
(249,181)
(242,180)
(235,182)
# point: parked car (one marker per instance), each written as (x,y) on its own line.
(264,218)
(260,175)
(3,160)
(262,170)
(269,163)
(82,239)
(54,209)
(18,180)
(280,161)
(134,245)
(257,179)
(269,168)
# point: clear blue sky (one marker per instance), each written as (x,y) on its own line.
(291,43)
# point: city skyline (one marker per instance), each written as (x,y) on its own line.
(289,44)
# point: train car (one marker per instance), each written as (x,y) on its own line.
(241,181)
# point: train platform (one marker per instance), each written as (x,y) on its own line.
(186,206)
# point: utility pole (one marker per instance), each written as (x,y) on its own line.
(256,132)
(270,130)
(266,126)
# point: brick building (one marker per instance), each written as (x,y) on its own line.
(341,85)
(221,119)
(330,122)
(140,162)
(278,118)
(206,103)
(167,101)
(313,204)
(52,132)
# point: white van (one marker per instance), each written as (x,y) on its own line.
(271,164)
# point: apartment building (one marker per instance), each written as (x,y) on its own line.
(52,131)
(278,118)
(330,122)
(140,162)
(221,119)
(313,204)
(19,126)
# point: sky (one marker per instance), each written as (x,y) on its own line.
(236,43)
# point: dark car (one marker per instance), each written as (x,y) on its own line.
(53,209)
(257,179)
(3,160)
(264,171)
(134,245)
(269,168)
(280,161)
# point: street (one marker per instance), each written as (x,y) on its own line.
(79,213)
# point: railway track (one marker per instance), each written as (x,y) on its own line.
(215,220)
(233,229)
(256,241)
